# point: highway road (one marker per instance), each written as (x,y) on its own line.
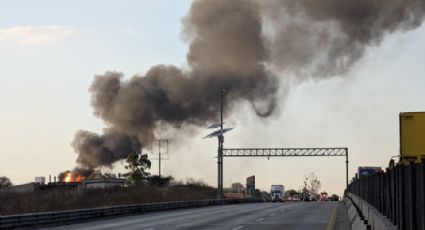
(309,215)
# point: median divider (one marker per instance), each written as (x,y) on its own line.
(32,220)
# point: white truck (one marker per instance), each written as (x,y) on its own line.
(277,192)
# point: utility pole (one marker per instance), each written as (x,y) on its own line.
(160,153)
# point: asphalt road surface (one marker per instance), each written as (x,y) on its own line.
(309,215)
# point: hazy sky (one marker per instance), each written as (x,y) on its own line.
(51,50)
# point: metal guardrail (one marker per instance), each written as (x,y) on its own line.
(398,193)
(72,216)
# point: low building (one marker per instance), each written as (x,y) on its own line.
(61,187)
(104,183)
(40,180)
(238,188)
(22,188)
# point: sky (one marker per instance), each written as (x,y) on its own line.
(50,52)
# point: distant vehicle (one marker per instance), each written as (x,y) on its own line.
(334,197)
(306,198)
(266,196)
(324,196)
(277,192)
(296,198)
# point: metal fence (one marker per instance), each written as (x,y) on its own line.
(32,220)
(398,193)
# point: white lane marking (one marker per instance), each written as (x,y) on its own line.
(259,219)
(272,214)
(238,227)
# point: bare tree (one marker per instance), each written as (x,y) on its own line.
(312,184)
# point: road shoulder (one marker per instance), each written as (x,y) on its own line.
(341,218)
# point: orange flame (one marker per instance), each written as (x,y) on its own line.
(73,178)
(80,178)
(68,178)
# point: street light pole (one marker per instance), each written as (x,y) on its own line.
(346,167)
(221,108)
(220,150)
(220,136)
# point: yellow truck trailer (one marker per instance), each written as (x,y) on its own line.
(412,136)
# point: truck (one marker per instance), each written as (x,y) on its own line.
(412,136)
(277,192)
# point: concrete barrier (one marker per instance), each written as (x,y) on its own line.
(356,220)
(372,218)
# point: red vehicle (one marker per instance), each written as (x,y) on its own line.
(324,196)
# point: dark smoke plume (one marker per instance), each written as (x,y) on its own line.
(235,45)
(327,37)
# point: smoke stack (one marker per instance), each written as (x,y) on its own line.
(50,178)
(242,46)
(54,179)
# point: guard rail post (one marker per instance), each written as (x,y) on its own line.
(400,211)
(421,195)
(412,196)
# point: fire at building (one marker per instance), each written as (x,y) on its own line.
(68,177)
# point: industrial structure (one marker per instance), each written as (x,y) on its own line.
(40,186)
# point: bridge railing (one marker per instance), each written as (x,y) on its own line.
(398,193)
(74,216)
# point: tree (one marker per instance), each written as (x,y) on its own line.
(305,193)
(5,182)
(312,184)
(137,164)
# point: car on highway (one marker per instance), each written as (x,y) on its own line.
(296,198)
(334,197)
(324,196)
(306,198)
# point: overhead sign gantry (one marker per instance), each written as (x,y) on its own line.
(289,152)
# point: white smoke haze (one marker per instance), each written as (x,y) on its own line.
(249,48)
